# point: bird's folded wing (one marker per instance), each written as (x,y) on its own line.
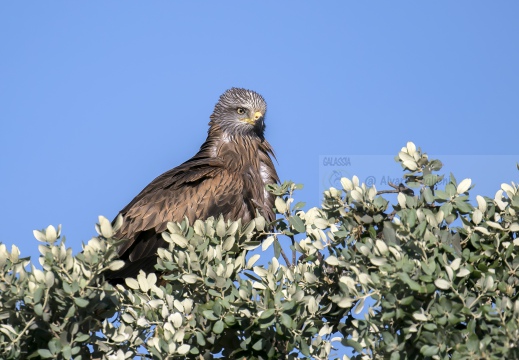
(195,189)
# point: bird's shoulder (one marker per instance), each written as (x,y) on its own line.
(189,173)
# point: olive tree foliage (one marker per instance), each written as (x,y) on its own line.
(431,276)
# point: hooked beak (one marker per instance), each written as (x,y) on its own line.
(257,115)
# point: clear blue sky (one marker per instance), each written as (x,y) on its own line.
(98,98)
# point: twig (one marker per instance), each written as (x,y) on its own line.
(400,188)
(284,255)
(293,249)
(392,215)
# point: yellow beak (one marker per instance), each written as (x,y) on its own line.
(257,115)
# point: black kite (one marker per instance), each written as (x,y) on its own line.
(226,177)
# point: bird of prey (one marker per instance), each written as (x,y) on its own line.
(226,177)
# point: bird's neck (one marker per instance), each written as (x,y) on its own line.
(237,149)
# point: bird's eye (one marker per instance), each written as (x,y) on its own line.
(240,111)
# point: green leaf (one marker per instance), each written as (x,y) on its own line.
(359,307)
(429,180)
(332,260)
(312,305)
(352,343)
(116,265)
(297,224)
(514,227)
(229,243)
(50,234)
(220,227)
(39,235)
(190,278)
(105,227)
(442,284)
(81,302)
(81,338)
(217,308)
(118,223)
(463,272)
(442,195)
(310,278)
(131,283)
(38,309)
(209,314)
(179,240)
(267,242)
(44,353)
(305,350)
(407,300)
(143,282)
(260,223)
(286,320)
(49,279)
(280,204)
(267,314)
(183,349)
(463,186)
(429,267)
(299,205)
(389,233)
(200,338)
(420,316)
(429,350)
(218,327)
(463,206)
(395,355)
(411,283)
(347,184)
(378,261)
(321,223)
(258,345)
(252,261)
(430,327)
(128,318)
(229,320)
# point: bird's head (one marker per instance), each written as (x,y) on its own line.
(240,111)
